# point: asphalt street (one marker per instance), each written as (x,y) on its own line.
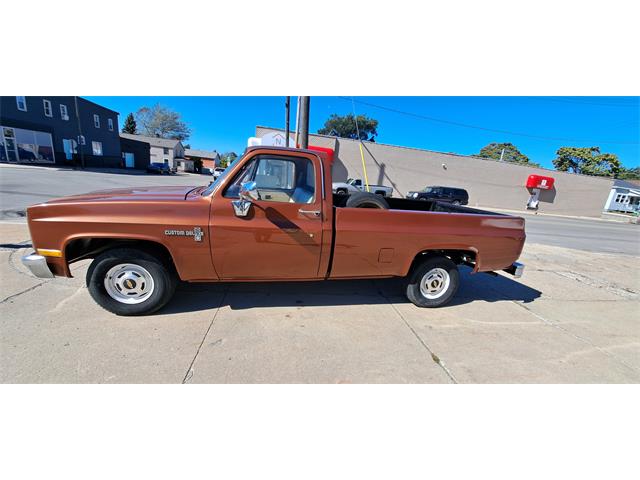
(21,186)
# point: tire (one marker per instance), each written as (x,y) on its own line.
(366,200)
(129,281)
(433,283)
(456,202)
(341,191)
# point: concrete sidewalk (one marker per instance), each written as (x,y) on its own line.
(573,318)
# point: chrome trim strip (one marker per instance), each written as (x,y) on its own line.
(37,264)
(321,174)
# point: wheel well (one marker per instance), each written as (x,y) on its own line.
(81,248)
(459,257)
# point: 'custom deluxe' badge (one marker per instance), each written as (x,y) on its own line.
(196,233)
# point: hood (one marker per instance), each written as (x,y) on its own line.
(130,194)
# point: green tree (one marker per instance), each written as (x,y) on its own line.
(344,126)
(159,121)
(130,125)
(587,161)
(511,154)
(629,173)
(227,159)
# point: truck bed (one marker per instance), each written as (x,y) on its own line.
(386,242)
(420,205)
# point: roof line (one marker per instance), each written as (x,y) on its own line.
(447,153)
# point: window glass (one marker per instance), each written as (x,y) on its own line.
(21,102)
(97,148)
(96,121)
(3,153)
(32,146)
(47,108)
(110,123)
(63,112)
(278,179)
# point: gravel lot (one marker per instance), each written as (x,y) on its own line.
(574,317)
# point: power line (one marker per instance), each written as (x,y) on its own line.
(577,101)
(476,127)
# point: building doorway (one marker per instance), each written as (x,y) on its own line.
(129,160)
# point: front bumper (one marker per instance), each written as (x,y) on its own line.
(37,264)
(516,269)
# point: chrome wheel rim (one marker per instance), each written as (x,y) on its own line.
(435,283)
(129,283)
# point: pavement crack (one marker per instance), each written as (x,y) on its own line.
(436,359)
(11,297)
(577,337)
(189,374)
(613,288)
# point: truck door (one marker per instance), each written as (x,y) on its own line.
(281,236)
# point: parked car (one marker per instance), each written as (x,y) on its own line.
(218,171)
(354,185)
(456,196)
(270,217)
(161,168)
(206,171)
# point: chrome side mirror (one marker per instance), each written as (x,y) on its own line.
(248,193)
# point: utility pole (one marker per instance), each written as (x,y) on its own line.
(297,137)
(304,121)
(80,149)
(287,107)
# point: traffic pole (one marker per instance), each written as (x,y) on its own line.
(304,121)
(287,108)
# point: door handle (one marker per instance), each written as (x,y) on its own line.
(315,213)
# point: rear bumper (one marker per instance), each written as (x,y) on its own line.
(516,269)
(37,264)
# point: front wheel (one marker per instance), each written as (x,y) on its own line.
(128,281)
(433,283)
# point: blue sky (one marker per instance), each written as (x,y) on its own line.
(612,123)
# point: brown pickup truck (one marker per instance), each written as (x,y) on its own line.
(271,216)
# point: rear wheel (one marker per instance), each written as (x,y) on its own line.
(129,281)
(341,191)
(456,202)
(433,283)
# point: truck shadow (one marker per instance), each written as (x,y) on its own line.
(241,296)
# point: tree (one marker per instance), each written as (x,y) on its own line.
(511,154)
(159,121)
(629,173)
(227,159)
(344,126)
(587,161)
(130,125)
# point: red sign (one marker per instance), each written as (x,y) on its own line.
(540,181)
(328,151)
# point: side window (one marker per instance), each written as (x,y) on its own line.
(278,179)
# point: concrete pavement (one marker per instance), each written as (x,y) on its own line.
(573,317)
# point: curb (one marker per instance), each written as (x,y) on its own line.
(632,220)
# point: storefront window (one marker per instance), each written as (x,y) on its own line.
(27,145)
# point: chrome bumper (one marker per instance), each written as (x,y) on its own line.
(516,269)
(37,264)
